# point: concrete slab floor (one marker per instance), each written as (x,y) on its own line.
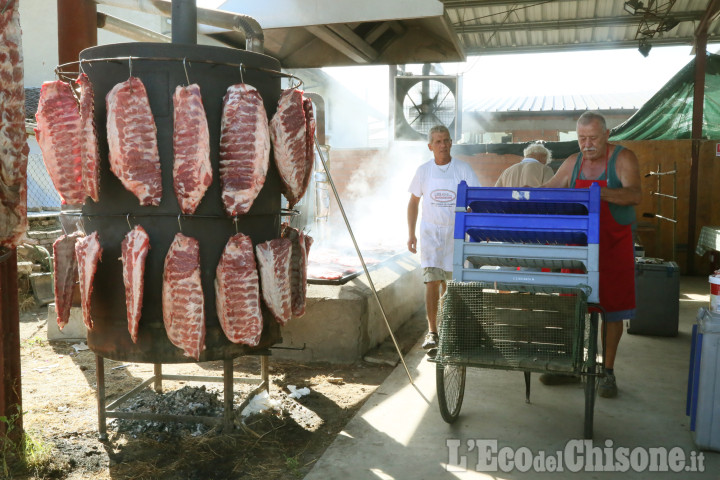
(399,433)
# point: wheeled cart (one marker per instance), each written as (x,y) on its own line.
(525,269)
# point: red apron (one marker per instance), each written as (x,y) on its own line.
(616,262)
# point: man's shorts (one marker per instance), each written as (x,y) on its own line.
(434,274)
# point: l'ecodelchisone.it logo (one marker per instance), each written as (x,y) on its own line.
(443,196)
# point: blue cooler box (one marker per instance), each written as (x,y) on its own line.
(703,393)
(657,292)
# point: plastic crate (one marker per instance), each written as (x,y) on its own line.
(527,328)
(539,228)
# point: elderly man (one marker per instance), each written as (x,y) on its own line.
(616,170)
(532,171)
(436,183)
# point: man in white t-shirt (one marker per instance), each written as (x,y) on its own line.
(436,183)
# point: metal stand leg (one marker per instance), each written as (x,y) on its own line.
(100,375)
(228,393)
(527,387)
(265,372)
(157,371)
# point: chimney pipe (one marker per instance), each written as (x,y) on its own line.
(184,21)
(254,37)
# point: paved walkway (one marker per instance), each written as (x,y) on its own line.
(399,434)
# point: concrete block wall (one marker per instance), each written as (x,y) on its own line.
(343,322)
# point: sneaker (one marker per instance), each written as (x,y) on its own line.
(558,379)
(608,387)
(431,341)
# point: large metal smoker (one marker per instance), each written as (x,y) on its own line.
(514,303)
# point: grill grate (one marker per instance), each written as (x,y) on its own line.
(528,327)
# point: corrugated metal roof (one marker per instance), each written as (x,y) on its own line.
(347,32)
(556,103)
(520,26)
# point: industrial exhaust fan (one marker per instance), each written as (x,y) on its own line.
(423,101)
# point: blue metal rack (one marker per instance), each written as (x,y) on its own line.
(500,229)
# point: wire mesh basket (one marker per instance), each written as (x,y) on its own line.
(522,327)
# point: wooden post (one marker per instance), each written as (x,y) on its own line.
(698,105)
(77,28)
(10,386)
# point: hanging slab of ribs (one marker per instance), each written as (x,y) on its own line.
(132,141)
(298,267)
(59,135)
(88,252)
(135,248)
(65,275)
(244,148)
(89,155)
(292,130)
(182,296)
(192,173)
(13,144)
(274,261)
(237,292)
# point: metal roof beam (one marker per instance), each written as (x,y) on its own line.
(339,43)
(581,46)
(355,40)
(459,4)
(623,21)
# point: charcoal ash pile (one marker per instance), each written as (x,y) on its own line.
(197,401)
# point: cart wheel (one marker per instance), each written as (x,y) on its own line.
(591,379)
(450,381)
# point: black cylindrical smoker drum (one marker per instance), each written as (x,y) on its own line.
(162,67)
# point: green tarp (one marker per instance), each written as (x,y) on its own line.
(668,114)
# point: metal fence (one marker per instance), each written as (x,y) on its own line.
(41,195)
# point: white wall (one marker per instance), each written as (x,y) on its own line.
(38,20)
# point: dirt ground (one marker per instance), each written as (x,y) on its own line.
(283,442)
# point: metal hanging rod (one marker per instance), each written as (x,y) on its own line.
(284,212)
(664,195)
(60,69)
(651,174)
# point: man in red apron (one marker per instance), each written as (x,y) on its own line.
(616,170)
(436,182)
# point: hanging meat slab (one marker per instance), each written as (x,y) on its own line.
(135,249)
(89,155)
(298,267)
(310,125)
(293,143)
(237,292)
(244,148)
(65,275)
(182,296)
(132,141)
(88,252)
(58,134)
(274,263)
(192,172)
(14,148)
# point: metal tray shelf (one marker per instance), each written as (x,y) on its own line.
(536,200)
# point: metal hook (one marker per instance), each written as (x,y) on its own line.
(81,226)
(185,68)
(235,221)
(82,70)
(128,221)
(242,80)
(179,224)
(130,64)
